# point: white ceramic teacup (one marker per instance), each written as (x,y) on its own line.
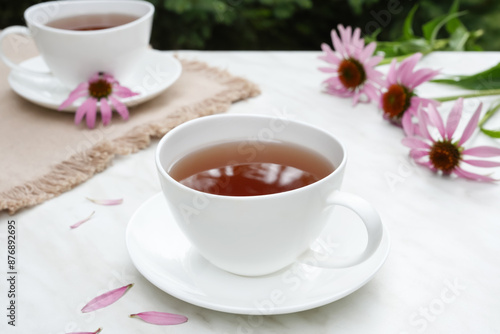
(74,56)
(258,235)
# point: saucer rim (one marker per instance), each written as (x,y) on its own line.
(48,103)
(218,306)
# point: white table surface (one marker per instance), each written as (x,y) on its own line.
(442,274)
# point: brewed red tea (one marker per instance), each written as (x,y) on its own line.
(250,168)
(91,21)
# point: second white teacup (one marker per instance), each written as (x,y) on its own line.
(73,56)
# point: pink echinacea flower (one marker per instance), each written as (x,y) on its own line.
(353,66)
(398,98)
(446,154)
(101,88)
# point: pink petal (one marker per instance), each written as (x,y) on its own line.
(421,76)
(75,225)
(105,111)
(91,113)
(391,75)
(106,299)
(427,164)
(123,92)
(345,35)
(422,122)
(96,76)
(355,38)
(88,109)
(406,67)
(82,110)
(328,69)
(374,75)
(342,92)
(160,318)
(412,61)
(436,120)
(373,61)
(82,87)
(120,107)
(423,101)
(367,52)
(417,154)
(407,123)
(482,151)
(106,201)
(326,48)
(337,44)
(371,92)
(472,176)
(109,78)
(96,332)
(334,81)
(324,58)
(471,126)
(482,163)
(454,118)
(355,98)
(80,91)
(329,55)
(412,142)
(413,107)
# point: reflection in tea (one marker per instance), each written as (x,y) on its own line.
(91,21)
(250,168)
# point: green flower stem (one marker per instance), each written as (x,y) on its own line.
(487,92)
(486,117)
(388,60)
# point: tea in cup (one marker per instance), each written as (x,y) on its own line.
(252,193)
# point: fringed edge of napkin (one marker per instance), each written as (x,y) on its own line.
(82,166)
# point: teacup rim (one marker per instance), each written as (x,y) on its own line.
(43,26)
(338,169)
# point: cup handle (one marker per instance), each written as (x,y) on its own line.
(373,225)
(20,30)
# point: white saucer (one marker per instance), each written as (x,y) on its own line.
(164,256)
(159,70)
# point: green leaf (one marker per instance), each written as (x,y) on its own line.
(488,79)
(431,28)
(471,45)
(177,6)
(486,117)
(373,36)
(458,39)
(356,5)
(283,11)
(305,3)
(407,27)
(394,49)
(491,133)
(454,24)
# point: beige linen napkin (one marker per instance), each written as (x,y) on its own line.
(43,153)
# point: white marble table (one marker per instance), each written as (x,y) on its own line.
(441,276)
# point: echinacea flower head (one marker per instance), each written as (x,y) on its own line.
(353,67)
(443,152)
(399,96)
(101,89)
